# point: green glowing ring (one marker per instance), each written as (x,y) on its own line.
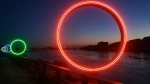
(25,47)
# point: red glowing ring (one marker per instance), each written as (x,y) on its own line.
(115,16)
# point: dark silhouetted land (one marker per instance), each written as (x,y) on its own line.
(135,45)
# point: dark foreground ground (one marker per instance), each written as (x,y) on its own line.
(10,73)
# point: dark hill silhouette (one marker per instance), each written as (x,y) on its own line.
(135,45)
(101,46)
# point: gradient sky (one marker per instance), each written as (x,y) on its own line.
(35,22)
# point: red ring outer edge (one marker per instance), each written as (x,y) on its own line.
(115,16)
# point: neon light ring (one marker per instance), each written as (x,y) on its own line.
(18,40)
(115,16)
(4,49)
(6,46)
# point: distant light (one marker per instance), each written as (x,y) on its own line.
(115,16)
(18,40)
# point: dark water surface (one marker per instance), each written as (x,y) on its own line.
(127,70)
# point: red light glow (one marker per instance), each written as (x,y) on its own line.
(119,21)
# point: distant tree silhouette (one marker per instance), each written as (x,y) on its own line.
(114,46)
(146,44)
(134,45)
(101,46)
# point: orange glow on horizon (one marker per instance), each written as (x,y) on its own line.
(116,17)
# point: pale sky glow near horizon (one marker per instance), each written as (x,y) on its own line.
(35,22)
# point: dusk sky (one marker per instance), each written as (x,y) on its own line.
(35,22)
